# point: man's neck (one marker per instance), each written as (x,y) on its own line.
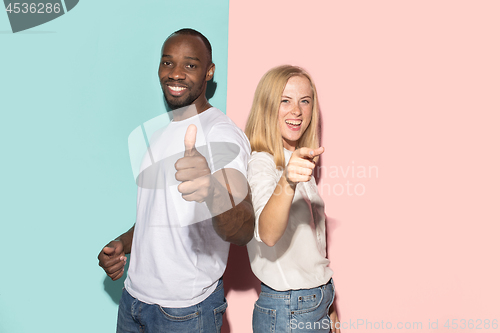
(189,111)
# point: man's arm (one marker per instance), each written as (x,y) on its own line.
(234,225)
(112,257)
(226,193)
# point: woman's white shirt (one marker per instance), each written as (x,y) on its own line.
(298,260)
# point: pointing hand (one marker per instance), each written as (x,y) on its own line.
(301,164)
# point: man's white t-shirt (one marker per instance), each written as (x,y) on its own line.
(177,258)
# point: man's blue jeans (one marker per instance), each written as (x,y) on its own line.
(293,311)
(136,316)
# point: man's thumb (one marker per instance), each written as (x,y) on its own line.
(108,250)
(190,139)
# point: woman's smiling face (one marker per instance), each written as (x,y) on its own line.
(295,110)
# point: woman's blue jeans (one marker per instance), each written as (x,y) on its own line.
(293,311)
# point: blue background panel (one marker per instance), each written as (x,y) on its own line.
(71,91)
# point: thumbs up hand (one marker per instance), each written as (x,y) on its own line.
(193,171)
(301,165)
(190,141)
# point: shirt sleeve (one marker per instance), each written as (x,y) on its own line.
(263,178)
(229,148)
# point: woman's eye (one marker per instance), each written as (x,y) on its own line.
(285,101)
(306,101)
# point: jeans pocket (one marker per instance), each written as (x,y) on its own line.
(218,313)
(178,314)
(181,319)
(310,302)
(313,314)
(306,302)
(263,320)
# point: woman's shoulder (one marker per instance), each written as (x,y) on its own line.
(261,161)
(261,166)
(261,157)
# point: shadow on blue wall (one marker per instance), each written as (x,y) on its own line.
(114,288)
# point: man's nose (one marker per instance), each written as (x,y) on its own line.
(176,73)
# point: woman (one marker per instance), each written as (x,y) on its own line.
(288,251)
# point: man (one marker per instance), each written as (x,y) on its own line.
(186,212)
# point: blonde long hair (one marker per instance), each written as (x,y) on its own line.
(262,127)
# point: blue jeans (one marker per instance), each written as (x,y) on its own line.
(136,316)
(293,311)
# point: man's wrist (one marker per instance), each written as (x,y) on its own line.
(219,198)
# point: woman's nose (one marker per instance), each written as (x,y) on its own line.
(296,110)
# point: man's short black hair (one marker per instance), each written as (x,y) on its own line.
(192,32)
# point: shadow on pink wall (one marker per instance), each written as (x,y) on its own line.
(331,225)
(238,277)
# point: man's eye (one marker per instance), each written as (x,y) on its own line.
(166,63)
(191,66)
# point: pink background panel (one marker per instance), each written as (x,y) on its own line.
(412,90)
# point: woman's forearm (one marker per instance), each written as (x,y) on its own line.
(274,217)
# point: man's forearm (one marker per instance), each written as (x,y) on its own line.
(126,239)
(237,224)
(234,219)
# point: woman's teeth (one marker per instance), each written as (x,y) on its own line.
(293,122)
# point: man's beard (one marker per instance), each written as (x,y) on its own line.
(176,103)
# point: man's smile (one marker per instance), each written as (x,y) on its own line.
(176,89)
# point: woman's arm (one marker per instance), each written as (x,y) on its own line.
(334,318)
(274,217)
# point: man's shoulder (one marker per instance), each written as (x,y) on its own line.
(217,117)
(222,125)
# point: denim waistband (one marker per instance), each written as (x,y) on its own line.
(266,289)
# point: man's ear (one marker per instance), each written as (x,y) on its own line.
(210,72)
